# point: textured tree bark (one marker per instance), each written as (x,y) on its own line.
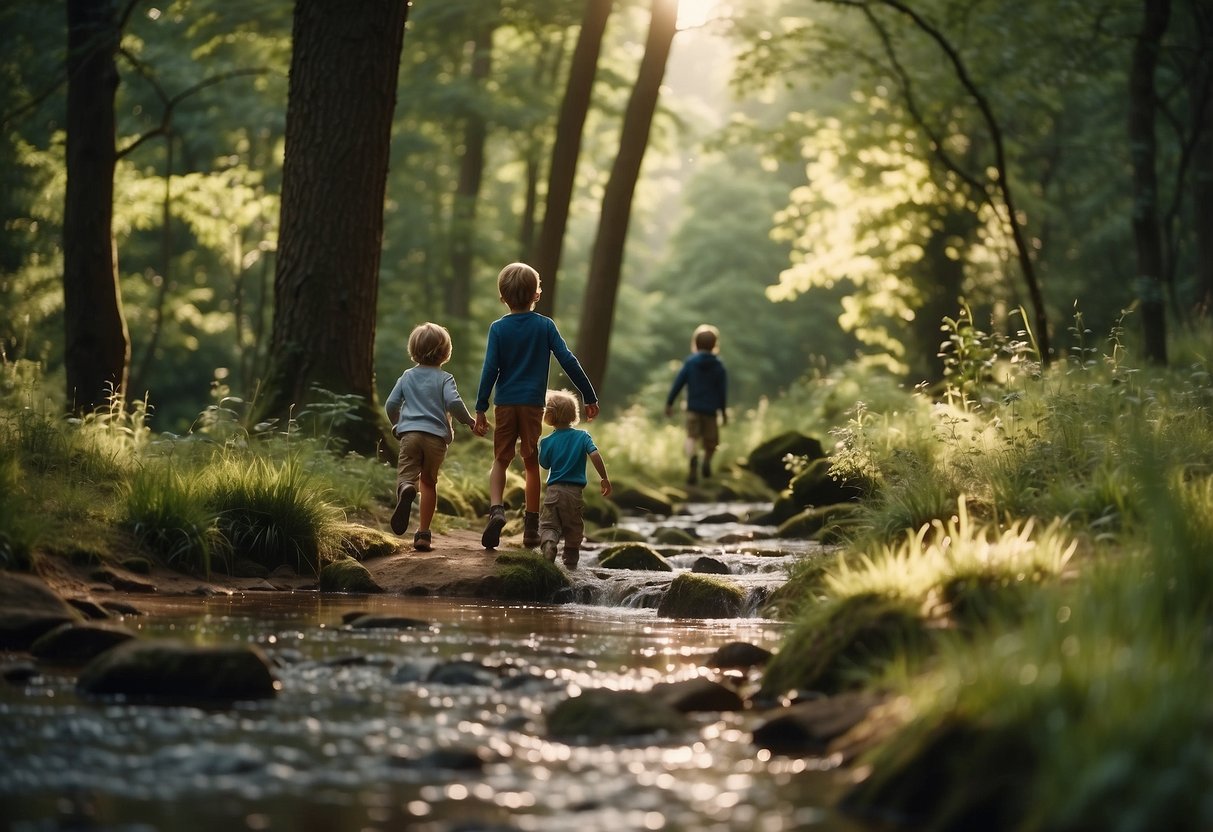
(344,64)
(471,173)
(606,261)
(1142,150)
(97,347)
(569,128)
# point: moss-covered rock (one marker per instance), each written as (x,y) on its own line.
(598,509)
(634,556)
(347,575)
(171,671)
(705,565)
(838,642)
(673,536)
(363,543)
(767,459)
(636,497)
(527,576)
(602,715)
(701,596)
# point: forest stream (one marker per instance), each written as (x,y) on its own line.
(362,736)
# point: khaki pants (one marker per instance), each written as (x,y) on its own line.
(560,516)
(703,426)
(421,455)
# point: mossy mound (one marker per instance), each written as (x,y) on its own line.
(363,543)
(634,556)
(767,459)
(527,576)
(815,486)
(952,777)
(347,575)
(692,595)
(839,642)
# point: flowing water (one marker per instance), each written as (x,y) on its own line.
(357,740)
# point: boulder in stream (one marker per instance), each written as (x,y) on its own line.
(698,694)
(28,609)
(634,556)
(170,672)
(767,459)
(79,643)
(699,596)
(602,715)
(347,575)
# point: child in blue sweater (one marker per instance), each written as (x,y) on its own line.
(421,406)
(706,382)
(517,357)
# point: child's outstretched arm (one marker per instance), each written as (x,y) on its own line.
(600,467)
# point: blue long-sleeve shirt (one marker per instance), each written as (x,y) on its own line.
(706,382)
(516,361)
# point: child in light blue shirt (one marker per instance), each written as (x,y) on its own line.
(421,406)
(564,452)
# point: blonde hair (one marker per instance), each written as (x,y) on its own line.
(706,337)
(430,344)
(518,284)
(560,409)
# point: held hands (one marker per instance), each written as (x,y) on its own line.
(591,412)
(481,428)
(606,487)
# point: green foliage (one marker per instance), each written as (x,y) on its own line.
(167,510)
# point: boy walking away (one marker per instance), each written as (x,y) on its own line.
(516,361)
(564,452)
(704,377)
(421,406)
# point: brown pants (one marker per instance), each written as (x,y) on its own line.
(560,516)
(703,426)
(421,455)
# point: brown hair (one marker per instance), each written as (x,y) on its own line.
(560,410)
(705,338)
(430,344)
(518,284)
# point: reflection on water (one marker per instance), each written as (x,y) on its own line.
(357,741)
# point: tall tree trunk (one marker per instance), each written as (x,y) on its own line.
(606,262)
(1143,149)
(97,347)
(1201,107)
(569,127)
(344,64)
(471,173)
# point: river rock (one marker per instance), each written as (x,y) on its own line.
(173,672)
(347,575)
(28,609)
(767,459)
(601,715)
(700,596)
(674,536)
(121,608)
(461,672)
(447,759)
(815,486)
(640,498)
(90,608)
(120,582)
(809,727)
(634,556)
(698,694)
(705,565)
(616,534)
(738,655)
(78,643)
(365,621)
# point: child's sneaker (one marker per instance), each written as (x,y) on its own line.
(404,505)
(530,529)
(569,557)
(492,529)
(423,541)
(548,549)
